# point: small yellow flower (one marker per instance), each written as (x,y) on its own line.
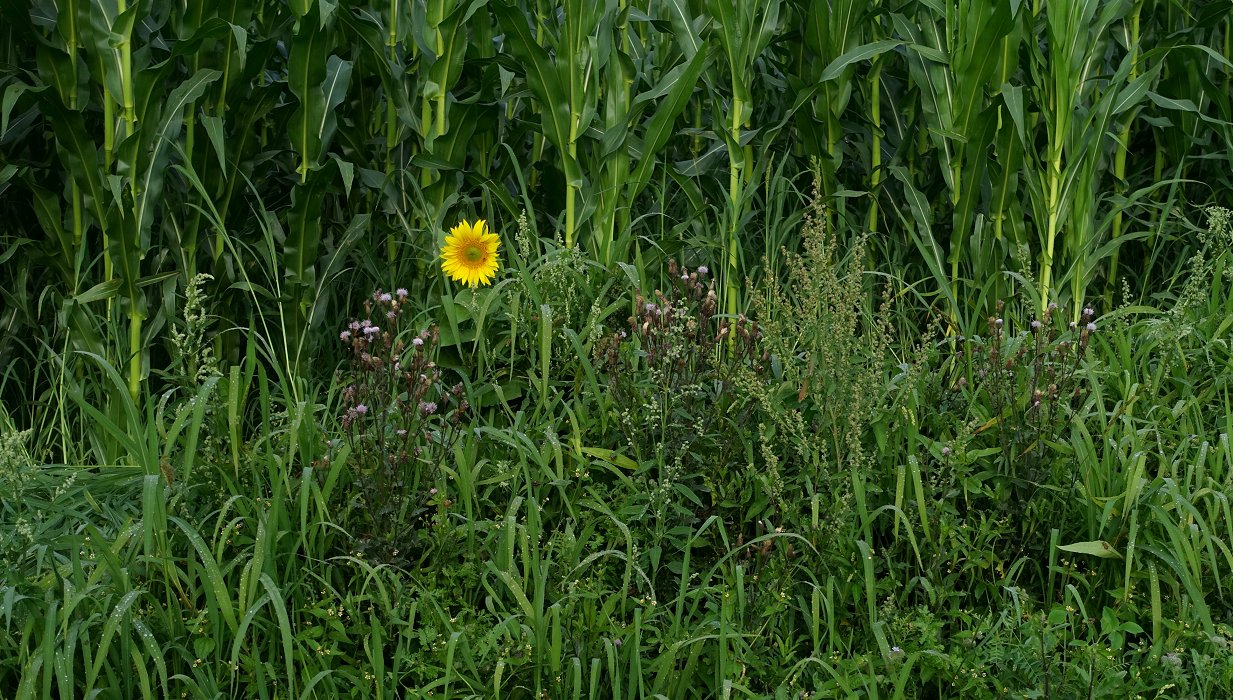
(470,254)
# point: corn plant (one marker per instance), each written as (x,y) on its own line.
(743,31)
(953,59)
(1075,109)
(565,84)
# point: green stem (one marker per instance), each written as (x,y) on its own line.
(1054,207)
(391,247)
(441,93)
(695,146)
(134,346)
(999,218)
(426,124)
(537,139)
(957,237)
(570,190)
(1119,160)
(130,119)
(875,147)
(74,191)
(126,78)
(735,167)
(109,148)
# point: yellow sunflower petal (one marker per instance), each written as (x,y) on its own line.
(469,255)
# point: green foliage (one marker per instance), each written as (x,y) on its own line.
(702,437)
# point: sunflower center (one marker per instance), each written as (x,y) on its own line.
(474,253)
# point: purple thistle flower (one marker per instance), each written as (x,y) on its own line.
(361,409)
(1035,325)
(1091,328)
(428,407)
(1089,311)
(386,298)
(946,451)
(650,306)
(417,342)
(390,315)
(344,336)
(365,323)
(371,330)
(702,269)
(355,325)
(401,292)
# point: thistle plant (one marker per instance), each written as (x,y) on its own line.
(1023,387)
(676,373)
(399,422)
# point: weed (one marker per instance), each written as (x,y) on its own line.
(400,420)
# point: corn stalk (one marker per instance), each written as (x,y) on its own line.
(743,31)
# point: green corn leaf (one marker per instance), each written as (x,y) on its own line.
(160,140)
(334,89)
(543,80)
(679,84)
(853,56)
(306,73)
(1184,105)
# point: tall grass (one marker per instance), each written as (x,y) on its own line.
(706,438)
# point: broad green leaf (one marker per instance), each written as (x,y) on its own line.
(1096,548)
(611,457)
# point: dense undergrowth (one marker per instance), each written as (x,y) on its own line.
(837,349)
(673,503)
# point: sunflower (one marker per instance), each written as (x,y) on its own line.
(470,253)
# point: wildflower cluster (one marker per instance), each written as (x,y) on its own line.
(398,416)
